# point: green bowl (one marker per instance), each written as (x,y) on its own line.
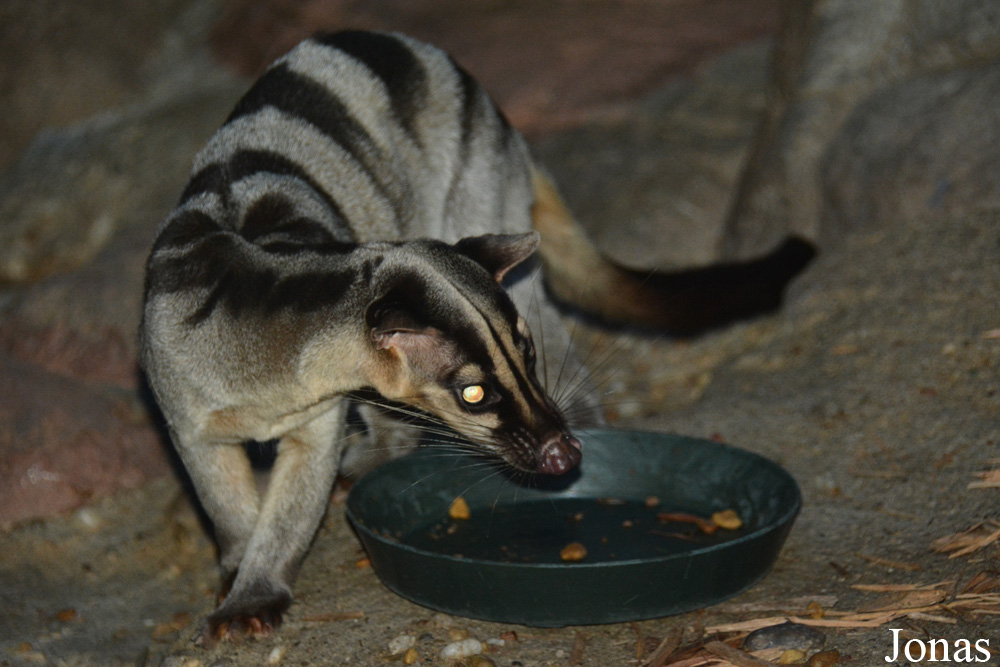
(504,563)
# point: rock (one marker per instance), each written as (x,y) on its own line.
(550,65)
(837,66)
(787,636)
(74,188)
(928,144)
(401,644)
(79,211)
(93,56)
(74,425)
(64,443)
(649,213)
(461,649)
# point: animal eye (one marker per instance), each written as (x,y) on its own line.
(473,394)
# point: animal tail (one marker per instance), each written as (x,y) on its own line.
(683,302)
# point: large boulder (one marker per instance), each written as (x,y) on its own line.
(78,210)
(66,61)
(893,101)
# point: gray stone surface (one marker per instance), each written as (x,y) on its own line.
(654,188)
(64,61)
(73,188)
(838,59)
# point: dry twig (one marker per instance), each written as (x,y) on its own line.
(970,540)
(894,564)
(666,648)
(989,479)
(927,602)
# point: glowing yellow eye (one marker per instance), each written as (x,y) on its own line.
(474,393)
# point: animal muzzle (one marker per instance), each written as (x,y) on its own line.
(559,454)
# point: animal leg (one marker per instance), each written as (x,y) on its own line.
(293,506)
(225,484)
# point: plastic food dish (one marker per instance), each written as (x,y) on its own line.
(503,563)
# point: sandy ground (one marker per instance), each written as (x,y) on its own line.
(875,387)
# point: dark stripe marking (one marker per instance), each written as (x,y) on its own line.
(273,218)
(471,94)
(185,228)
(304,98)
(301,97)
(389,59)
(242,289)
(218,178)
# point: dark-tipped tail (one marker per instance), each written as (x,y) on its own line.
(682,302)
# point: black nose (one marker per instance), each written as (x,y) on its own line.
(559,455)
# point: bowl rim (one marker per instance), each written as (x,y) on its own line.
(777,523)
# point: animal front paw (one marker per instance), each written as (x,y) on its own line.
(253,613)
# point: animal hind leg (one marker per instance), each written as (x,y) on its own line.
(293,506)
(226,488)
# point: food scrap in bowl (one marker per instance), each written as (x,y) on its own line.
(727,520)
(572,552)
(459,509)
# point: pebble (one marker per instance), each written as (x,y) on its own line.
(411,656)
(461,649)
(276,655)
(180,661)
(87,518)
(401,644)
(440,620)
(457,634)
(824,659)
(785,636)
(479,661)
(791,656)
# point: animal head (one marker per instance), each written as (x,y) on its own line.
(450,342)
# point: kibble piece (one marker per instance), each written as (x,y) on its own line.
(727,520)
(791,656)
(479,661)
(573,551)
(457,634)
(66,615)
(459,509)
(824,659)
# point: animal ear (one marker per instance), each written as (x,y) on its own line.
(394,326)
(389,320)
(499,253)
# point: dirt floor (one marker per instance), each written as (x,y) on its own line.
(875,386)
